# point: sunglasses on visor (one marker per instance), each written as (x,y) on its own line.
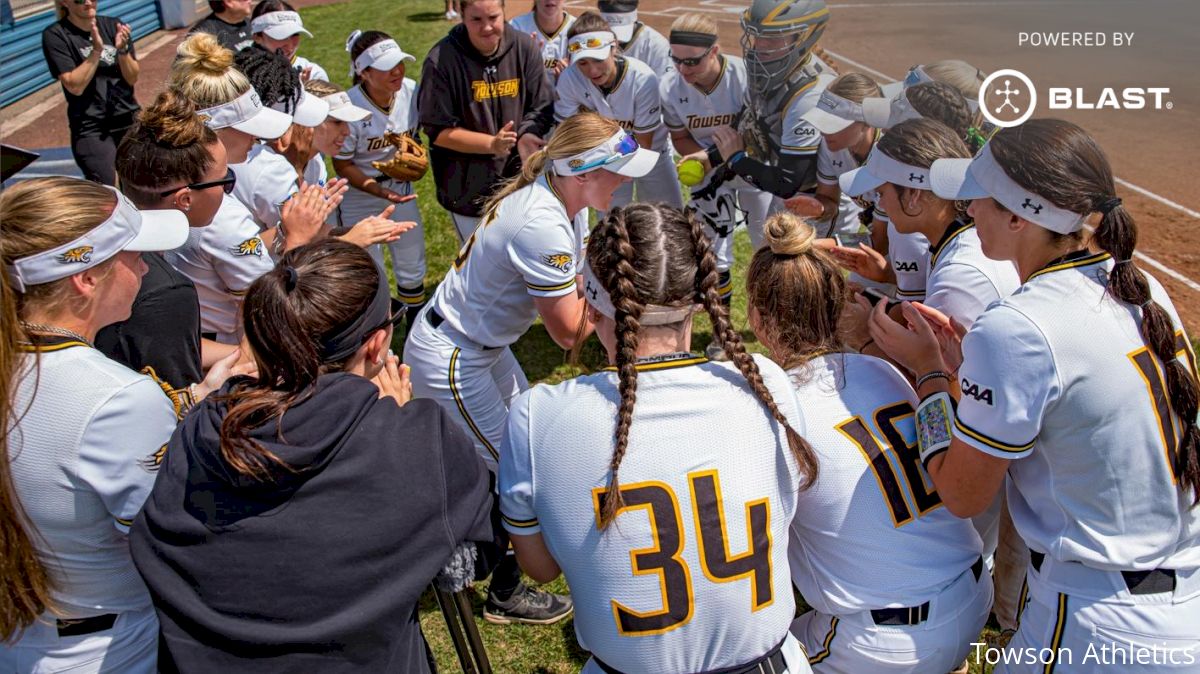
(627,146)
(590,43)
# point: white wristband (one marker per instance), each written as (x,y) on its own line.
(935,425)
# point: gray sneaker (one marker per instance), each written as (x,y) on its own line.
(715,350)
(530,606)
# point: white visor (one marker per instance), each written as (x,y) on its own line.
(652,314)
(279,25)
(340,107)
(833,113)
(881,169)
(310,111)
(619,154)
(381,56)
(982,177)
(884,113)
(595,45)
(126,229)
(622,24)
(247,114)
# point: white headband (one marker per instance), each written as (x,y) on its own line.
(881,169)
(983,177)
(652,314)
(122,230)
(279,25)
(383,55)
(234,112)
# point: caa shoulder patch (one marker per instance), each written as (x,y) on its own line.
(978,392)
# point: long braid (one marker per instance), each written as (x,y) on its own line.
(706,289)
(628,314)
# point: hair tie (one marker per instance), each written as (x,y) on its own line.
(1125,261)
(293,277)
(1145,304)
(1108,205)
(352,39)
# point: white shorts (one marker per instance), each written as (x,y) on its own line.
(408,253)
(793,655)
(854,644)
(130,646)
(474,385)
(1090,622)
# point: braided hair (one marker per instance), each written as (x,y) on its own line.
(653,254)
(271,75)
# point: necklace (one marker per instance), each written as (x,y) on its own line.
(55,330)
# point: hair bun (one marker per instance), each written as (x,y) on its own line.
(202,53)
(172,120)
(788,234)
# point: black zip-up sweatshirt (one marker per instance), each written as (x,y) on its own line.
(462,88)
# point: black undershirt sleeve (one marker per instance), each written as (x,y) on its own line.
(795,174)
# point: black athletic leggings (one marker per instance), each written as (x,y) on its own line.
(96,154)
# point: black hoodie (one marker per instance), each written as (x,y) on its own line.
(318,570)
(462,88)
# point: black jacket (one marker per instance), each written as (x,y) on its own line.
(462,88)
(318,570)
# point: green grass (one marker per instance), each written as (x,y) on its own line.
(417,25)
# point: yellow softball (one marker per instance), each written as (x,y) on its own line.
(691,172)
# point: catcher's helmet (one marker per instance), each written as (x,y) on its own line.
(799,22)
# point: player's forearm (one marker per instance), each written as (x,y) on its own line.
(465,141)
(356,177)
(795,174)
(129,68)
(685,144)
(77,80)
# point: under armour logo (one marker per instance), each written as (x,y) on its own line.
(1037,208)
(914,178)
(683,99)
(837,163)
(490,70)
(590,291)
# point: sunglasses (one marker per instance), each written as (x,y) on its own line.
(590,43)
(625,147)
(692,62)
(227,184)
(398,309)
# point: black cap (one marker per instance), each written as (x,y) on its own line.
(617,6)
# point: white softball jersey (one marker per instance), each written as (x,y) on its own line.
(553,47)
(91,435)
(264,182)
(633,101)
(527,247)
(909,257)
(700,112)
(872,499)
(222,260)
(692,575)
(318,73)
(846,224)
(962,280)
(365,143)
(1057,379)
(800,137)
(650,47)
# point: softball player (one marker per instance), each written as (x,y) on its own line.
(87,434)
(774,148)
(1081,388)
(871,500)
(276,25)
(547,24)
(520,263)
(676,556)
(381,87)
(622,89)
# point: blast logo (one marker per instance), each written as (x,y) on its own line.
(1008,98)
(981,394)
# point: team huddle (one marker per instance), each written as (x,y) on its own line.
(974,404)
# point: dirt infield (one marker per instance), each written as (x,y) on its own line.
(1150,149)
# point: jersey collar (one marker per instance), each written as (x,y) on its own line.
(47,343)
(1079,258)
(637,29)
(550,186)
(622,68)
(557,31)
(666,361)
(957,227)
(716,82)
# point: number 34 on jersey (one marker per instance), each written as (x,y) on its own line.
(664,557)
